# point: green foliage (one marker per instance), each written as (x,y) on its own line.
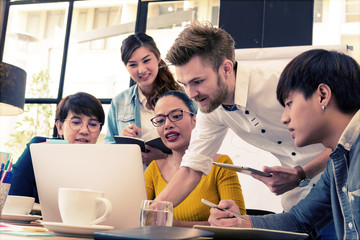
(37,119)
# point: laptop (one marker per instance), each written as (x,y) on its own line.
(115,169)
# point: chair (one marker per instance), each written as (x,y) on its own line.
(258,212)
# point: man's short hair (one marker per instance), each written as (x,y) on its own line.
(204,40)
(309,69)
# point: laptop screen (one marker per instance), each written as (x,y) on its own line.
(115,169)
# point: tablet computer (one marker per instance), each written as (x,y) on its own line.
(241,169)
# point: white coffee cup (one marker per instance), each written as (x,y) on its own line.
(81,206)
(18,205)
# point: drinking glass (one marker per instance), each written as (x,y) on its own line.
(156,213)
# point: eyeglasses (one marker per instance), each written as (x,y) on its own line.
(173,116)
(76,124)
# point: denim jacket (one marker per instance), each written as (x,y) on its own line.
(124,110)
(335,197)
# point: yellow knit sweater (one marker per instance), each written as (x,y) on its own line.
(220,184)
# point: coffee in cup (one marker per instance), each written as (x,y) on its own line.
(81,206)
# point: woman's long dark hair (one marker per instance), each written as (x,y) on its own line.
(164,80)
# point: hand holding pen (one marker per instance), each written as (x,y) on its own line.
(213,205)
(227,214)
(131,130)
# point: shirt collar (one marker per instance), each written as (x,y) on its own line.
(241,85)
(230,108)
(351,132)
(142,98)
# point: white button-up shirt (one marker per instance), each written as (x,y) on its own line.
(257,122)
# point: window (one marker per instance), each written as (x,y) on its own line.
(35,41)
(352,11)
(340,24)
(94,64)
(167,19)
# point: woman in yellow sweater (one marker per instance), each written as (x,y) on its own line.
(175,119)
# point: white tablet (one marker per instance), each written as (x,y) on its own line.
(241,169)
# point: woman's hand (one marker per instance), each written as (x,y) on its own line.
(131,131)
(153,154)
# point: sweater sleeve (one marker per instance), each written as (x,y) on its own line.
(149,180)
(228,184)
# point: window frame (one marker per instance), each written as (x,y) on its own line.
(226,17)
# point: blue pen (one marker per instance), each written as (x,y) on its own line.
(2,170)
(8,177)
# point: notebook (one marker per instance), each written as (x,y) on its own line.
(153,232)
(251,233)
(115,169)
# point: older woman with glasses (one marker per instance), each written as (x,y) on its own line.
(79,119)
(174,120)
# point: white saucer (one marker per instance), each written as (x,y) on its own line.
(19,217)
(60,227)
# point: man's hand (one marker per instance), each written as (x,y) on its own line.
(283,179)
(226,219)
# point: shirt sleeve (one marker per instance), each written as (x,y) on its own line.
(310,215)
(206,140)
(111,123)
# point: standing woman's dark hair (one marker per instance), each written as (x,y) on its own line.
(164,80)
(183,97)
(80,103)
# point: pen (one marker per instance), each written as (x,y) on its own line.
(34,229)
(10,165)
(2,170)
(210,204)
(3,176)
(7,178)
(7,164)
(136,133)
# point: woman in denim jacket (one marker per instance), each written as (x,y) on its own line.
(132,109)
(320,91)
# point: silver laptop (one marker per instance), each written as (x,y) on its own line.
(115,169)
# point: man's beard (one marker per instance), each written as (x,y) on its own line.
(217,99)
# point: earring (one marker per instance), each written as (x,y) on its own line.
(323,108)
